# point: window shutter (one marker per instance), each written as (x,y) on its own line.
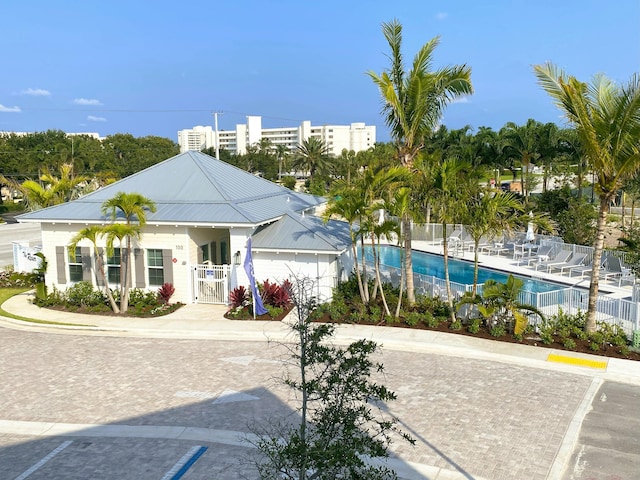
(167,265)
(85,253)
(100,261)
(61,265)
(138,261)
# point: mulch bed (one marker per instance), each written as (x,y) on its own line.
(582,346)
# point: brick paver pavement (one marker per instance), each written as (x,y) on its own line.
(484,419)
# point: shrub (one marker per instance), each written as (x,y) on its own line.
(569,344)
(412,319)
(498,330)
(140,299)
(430,320)
(474,325)
(82,294)
(337,309)
(165,292)
(456,325)
(239,297)
(274,311)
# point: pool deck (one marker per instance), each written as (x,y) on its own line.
(507,264)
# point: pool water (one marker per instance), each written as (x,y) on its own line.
(459,271)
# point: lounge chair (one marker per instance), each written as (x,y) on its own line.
(542,255)
(561,257)
(576,261)
(613,269)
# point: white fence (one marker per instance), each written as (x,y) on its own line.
(617,311)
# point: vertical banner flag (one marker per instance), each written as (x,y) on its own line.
(258,307)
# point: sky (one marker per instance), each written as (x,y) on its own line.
(155,67)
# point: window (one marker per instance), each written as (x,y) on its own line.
(113,267)
(75,265)
(155,266)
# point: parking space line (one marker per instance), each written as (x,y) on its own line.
(44,460)
(180,468)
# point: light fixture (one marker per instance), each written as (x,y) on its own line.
(236,258)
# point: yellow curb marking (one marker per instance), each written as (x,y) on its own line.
(582,362)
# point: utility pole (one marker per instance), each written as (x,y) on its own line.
(215,118)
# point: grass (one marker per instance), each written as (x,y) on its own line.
(7,293)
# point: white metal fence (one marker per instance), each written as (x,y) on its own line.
(622,312)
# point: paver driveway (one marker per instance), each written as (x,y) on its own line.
(478,418)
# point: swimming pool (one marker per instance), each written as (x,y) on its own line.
(459,271)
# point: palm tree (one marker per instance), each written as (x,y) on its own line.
(413,102)
(50,189)
(451,197)
(131,207)
(93,233)
(521,143)
(312,156)
(349,204)
(489,213)
(607,119)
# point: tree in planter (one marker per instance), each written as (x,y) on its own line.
(132,208)
(337,426)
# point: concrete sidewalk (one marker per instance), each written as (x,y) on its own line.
(200,321)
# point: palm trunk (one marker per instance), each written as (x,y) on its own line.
(445,248)
(358,274)
(365,281)
(408,261)
(598,247)
(377,264)
(126,261)
(105,280)
(475,268)
(402,277)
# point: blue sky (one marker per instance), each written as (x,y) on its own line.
(156,67)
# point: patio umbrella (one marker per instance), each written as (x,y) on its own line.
(381,217)
(530,237)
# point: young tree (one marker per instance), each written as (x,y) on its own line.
(607,121)
(338,426)
(413,102)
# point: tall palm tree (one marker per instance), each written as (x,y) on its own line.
(521,143)
(413,102)
(132,208)
(312,156)
(93,233)
(607,119)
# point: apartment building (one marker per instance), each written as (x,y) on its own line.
(356,136)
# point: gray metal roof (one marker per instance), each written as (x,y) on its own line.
(190,188)
(295,232)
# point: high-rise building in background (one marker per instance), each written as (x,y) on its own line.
(356,137)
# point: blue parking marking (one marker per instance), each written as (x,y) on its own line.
(180,468)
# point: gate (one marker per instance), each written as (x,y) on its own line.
(211,284)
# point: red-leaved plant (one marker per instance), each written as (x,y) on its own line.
(165,292)
(274,295)
(238,297)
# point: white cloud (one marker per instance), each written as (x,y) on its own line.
(441,16)
(9,109)
(87,101)
(93,118)
(36,92)
(461,100)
